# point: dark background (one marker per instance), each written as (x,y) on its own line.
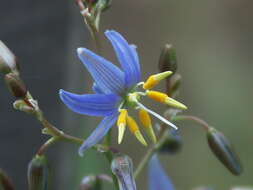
(214,44)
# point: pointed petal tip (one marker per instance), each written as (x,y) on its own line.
(80,152)
(108,32)
(80,50)
(61,93)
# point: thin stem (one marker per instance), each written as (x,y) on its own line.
(46,145)
(96,38)
(201,122)
(150,153)
(52,130)
(109,156)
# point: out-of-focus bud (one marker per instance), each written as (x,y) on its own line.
(122,168)
(38,173)
(7,59)
(168,59)
(242,188)
(203,188)
(173,84)
(173,143)
(104,4)
(15,85)
(224,151)
(5,181)
(90,183)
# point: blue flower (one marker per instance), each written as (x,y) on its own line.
(115,91)
(157,178)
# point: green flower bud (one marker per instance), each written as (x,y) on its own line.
(122,168)
(90,183)
(224,151)
(173,84)
(7,59)
(173,143)
(5,181)
(38,173)
(168,59)
(105,4)
(15,85)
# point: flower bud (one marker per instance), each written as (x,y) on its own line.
(104,4)
(90,183)
(203,188)
(38,173)
(122,168)
(15,85)
(172,144)
(168,60)
(224,151)
(173,84)
(7,59)
(242,188)
(5,181)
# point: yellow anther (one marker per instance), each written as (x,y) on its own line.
(157,96)
(135,130)
(164,98)
(121,123)
(153,80)
(146,122)
(144,118)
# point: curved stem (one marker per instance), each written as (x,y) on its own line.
(201,122)
(46,145)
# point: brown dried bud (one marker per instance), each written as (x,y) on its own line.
(15,85)
(5,181)
(7,59)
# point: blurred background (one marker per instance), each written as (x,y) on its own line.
(213,40)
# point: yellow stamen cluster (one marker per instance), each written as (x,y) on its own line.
(132,100)
(124,119)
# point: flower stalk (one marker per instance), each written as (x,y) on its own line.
(154,148)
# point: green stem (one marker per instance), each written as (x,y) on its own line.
(201,122)
(150,153)
(52,130)
(109,156)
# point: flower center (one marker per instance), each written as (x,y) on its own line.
(132,100)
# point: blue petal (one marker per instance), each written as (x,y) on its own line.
(90,104)
(108,77)
(127,57)
(99,132)
(96,89)
(158,180)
